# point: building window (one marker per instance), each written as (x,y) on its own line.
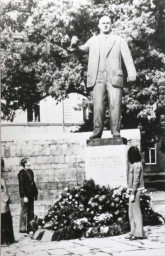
(33,115)
(151,154)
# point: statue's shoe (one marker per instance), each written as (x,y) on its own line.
(137,238)
(95,136)
(116,135)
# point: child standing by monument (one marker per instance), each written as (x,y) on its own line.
(28,193)
(135,187)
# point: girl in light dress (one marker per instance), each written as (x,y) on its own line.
(135,187)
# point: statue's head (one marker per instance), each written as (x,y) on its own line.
(105,25)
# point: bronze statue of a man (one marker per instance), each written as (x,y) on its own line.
(105,74)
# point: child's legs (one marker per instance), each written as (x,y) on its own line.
(30,212)
(131,219)
(23,216)
(137,216)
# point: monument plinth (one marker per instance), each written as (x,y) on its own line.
(107,141)
(106,161)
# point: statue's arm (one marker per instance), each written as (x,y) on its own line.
(75,47)
(128,61)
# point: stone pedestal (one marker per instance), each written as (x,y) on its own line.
(106,161)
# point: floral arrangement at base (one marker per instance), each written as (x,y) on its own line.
(91,210)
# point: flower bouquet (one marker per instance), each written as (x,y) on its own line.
(92,210)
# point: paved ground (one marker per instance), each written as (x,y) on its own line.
(154,245)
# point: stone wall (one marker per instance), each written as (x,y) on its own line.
(57,163)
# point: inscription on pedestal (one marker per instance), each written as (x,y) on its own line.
(107,164)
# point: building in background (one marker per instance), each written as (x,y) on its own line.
(48,117)
(52,112)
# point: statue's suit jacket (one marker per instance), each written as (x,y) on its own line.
(117,50)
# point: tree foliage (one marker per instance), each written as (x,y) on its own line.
(40,65)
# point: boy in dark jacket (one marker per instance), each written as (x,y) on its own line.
(28,193)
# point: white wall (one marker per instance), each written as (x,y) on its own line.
(52,112)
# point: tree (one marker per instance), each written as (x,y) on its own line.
(42,66)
